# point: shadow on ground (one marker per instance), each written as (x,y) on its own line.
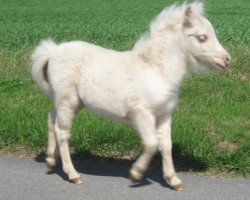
(85,163)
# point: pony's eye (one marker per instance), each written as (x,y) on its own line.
(201,38)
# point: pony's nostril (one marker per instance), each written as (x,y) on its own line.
(227,60)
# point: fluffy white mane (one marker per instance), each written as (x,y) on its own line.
(169,18)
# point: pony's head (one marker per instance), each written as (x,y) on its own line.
(184,27)
(202,45)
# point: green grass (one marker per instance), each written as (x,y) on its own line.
(211,125)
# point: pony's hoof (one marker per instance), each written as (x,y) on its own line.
(77,181)
(136,174)
(50,167)
(178,187)
(134,179)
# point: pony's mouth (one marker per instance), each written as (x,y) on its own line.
(222,63)
(216,63)
(220,66)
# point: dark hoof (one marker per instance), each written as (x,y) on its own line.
(50,167)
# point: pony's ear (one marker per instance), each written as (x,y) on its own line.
(187,17)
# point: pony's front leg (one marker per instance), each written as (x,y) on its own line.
(63,123)
(163,132)
(145,124)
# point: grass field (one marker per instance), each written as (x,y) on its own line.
(211,125)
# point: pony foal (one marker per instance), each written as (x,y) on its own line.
(139,86)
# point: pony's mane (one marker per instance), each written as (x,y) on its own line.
(169,18)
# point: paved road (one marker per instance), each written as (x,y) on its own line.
(24,178)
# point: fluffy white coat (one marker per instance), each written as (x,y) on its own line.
(139,86)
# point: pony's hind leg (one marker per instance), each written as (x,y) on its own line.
(65,114)
(52,151)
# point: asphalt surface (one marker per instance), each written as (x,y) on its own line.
(25,178)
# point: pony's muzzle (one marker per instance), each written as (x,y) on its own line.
(223,61)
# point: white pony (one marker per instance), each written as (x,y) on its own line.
(139,86)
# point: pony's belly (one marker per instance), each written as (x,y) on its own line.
(110,115)
(109,108)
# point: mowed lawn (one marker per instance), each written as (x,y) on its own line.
(211,124)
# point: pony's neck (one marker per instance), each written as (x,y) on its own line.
(166,52)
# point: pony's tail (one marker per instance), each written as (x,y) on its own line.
(40,60)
